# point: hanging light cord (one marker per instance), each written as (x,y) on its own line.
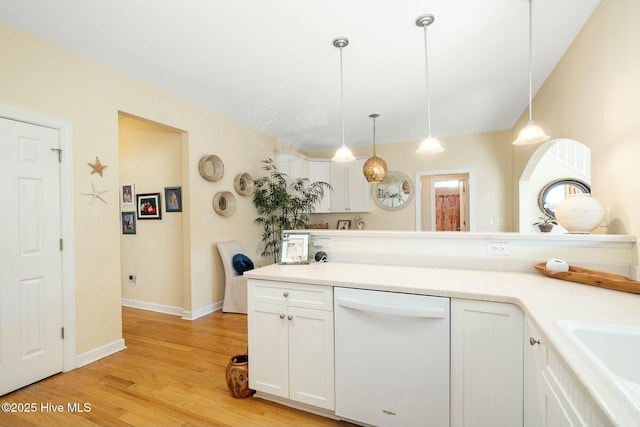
(341,93)
(530,60)
(426,62)
(374,136)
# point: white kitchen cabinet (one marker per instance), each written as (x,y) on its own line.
(351,191)
(486,364)
(320,170)
(290,330)
(552,396)
(295,166)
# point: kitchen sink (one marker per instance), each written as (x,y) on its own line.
(614,352)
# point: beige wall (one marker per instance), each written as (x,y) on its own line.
(51,81)
(488,155)
(592,97)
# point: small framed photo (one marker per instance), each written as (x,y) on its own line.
(173,199)
(129,222)
(149,206)
(295,248)
(127,194)
(344,224)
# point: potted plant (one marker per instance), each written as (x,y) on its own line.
(546,223)
(282,205)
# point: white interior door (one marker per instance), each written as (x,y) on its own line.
(31,319)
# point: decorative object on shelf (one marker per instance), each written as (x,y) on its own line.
(95,194)
(321,256)
(128,194)
(557,190)
(173,199)
(580,213)
(375,168)
(237,376)
(97,167)
(429,145)
(344,224)
(211,168)
(531,133)
(149,206)
(359,222)
(343,154)
(395,192)
(586,276)
(281,206)
(243,184)
(295,248)
(224,203)
(557,265)
(546,223)
(129,222)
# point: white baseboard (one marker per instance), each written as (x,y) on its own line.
(193,315)
(100,352)
(160,308)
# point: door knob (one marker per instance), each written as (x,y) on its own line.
(290,317)
(533,341)
(282,316)
(285,294)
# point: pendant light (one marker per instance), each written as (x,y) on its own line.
(375,168)
(531,133)
(343,154)
(429,145)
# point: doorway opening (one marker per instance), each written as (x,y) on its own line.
(444,201)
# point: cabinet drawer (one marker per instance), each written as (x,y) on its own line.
(291,294)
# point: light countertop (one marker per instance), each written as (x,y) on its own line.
(544,300)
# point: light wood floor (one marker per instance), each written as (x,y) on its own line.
(171,374)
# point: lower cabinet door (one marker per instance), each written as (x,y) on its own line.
(268,349)
(311,367)
(486,364)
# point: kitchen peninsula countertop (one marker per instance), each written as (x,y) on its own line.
(544,300)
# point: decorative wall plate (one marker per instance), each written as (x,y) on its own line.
(243,183)
(224,203)
(211,168)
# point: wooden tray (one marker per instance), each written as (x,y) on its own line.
(593,278)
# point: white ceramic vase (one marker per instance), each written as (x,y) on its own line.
(580,213)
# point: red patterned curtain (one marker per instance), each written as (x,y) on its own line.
(448,212)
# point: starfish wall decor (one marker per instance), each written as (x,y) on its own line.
(97,167)
(95,195)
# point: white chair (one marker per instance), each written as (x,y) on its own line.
(235,288)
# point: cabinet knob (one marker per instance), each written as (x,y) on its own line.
(533,341)
(282,316)
(290,317)
(285,294)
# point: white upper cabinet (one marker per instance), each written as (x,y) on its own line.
(320,170)
(351,191)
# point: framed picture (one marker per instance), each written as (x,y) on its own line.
(173,199)
(344,224)
(295,248)
(129,222)
(149,206)
(127,194)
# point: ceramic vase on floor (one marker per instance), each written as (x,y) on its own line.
(237,375)
(580,213)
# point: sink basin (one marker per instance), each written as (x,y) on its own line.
(614,351)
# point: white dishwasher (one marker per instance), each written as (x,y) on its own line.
(391,358)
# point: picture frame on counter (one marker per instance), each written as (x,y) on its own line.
(295,248)
(344,224)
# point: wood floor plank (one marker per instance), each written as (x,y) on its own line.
(171,374)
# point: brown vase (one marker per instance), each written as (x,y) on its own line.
(545,228)
(238,376)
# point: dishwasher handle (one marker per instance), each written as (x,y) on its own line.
(429,313)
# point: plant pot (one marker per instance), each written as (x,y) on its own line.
(545,228)
(237,375)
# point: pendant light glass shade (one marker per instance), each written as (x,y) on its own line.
(375,168)
(531,133)
(343,154)
(429,145)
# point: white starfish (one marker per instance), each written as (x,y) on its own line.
(95,195)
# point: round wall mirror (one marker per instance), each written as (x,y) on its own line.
(556,191)
(211,168)
(395,192)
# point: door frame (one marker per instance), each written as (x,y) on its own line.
(65,132)
(470,189)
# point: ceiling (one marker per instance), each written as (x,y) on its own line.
(271,64)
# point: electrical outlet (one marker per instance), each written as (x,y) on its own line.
(498,248)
